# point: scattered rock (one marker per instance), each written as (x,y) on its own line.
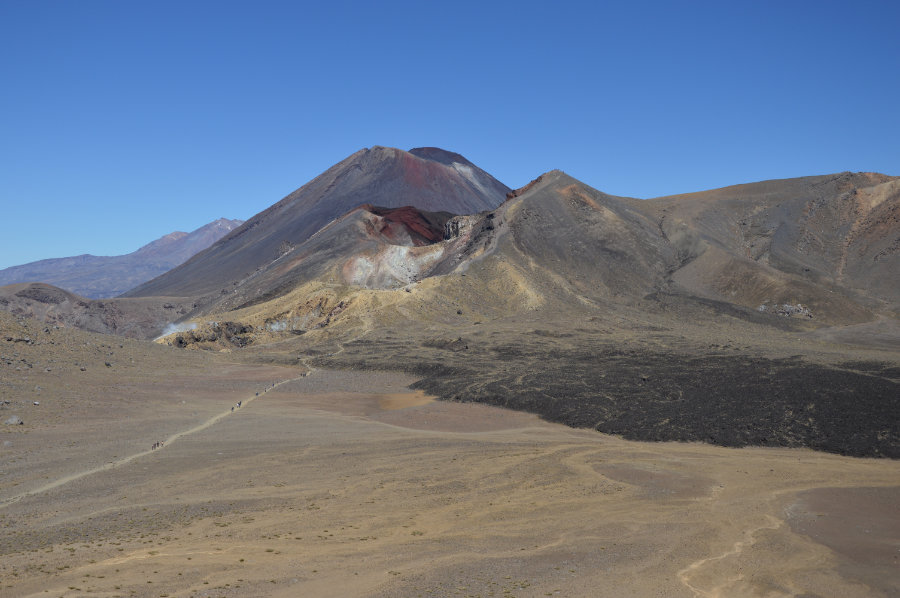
(786,310)
(14,421)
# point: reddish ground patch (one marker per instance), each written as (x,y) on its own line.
(424,228)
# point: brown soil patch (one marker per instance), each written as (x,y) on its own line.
(470,418)
(861,526)
(659,483)
(392,402)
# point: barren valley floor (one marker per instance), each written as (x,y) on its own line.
(348,484)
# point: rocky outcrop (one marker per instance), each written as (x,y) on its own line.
(457,226)
(43,294)
(786,310)
(233,333)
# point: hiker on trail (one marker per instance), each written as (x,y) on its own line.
(232,408)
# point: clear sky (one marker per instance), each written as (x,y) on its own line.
(121,121)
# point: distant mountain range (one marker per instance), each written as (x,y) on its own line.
(98,277)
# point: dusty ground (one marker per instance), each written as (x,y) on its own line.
(348,484)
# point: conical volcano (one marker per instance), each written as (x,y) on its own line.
(430,179)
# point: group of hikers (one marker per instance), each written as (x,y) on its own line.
(159,443)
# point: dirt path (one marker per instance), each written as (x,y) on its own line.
(165,443)
(749,538)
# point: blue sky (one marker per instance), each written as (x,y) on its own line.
(124,121)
